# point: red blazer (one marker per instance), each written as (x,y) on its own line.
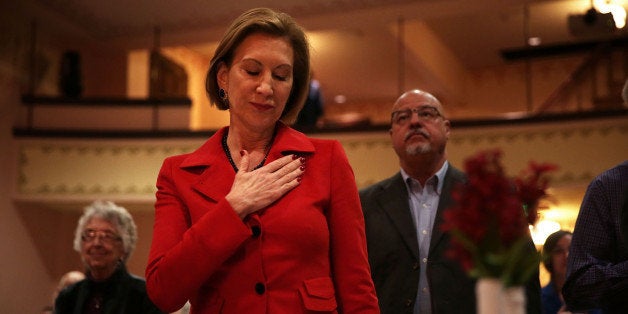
(306,252)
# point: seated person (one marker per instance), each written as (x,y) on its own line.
(105,238)
(555,252)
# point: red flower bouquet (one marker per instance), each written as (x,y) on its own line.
(489,223)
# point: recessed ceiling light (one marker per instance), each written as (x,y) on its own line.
(534,41)
(340,99)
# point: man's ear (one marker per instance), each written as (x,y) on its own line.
(447,128)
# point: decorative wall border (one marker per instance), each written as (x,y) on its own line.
(51,167)
(47,168)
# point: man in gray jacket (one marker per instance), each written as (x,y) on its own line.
(403,214)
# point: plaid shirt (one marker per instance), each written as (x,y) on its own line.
(597,267)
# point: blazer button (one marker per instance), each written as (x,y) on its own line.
(260,288)
(408,302)
(416,266)
(257,230)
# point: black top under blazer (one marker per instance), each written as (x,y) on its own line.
(123,293)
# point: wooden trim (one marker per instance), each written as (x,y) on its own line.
(29,100)
(461,123)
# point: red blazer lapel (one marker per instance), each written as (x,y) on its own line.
(289,141)
(209,162)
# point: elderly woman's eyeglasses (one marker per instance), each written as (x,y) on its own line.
(425,113)
(90,235)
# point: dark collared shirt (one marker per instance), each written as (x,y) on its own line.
(597,267)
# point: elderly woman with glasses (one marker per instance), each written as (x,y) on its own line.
(105,238)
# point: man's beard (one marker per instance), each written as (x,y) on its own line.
(418,148)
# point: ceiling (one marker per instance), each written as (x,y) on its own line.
(364,49)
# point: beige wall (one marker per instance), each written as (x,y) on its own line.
(26,283)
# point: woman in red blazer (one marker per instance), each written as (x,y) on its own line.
(261,218)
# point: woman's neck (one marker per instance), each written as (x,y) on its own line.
(249,141)
(256,144)
(558,281)
(103,274)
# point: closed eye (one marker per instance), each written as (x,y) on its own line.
(280,77)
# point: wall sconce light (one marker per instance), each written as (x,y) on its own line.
(542,230)
(618,11)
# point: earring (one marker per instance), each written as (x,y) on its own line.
(223,94)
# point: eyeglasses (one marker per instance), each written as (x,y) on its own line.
(108,237)
(425,113)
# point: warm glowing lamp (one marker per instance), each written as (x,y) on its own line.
(618,11)
(542,230)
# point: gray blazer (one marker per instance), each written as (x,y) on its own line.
(394,253)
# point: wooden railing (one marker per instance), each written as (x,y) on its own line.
(104,114)
(605,74)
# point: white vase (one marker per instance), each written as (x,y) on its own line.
(493,298)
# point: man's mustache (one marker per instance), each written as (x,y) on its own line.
(416,132)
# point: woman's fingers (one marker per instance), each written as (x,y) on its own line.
(280,163)
(254,190)
(280,172)
(291,171)
(244,161)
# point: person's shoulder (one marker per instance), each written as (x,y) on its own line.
(618,173)
(69,294)
(455,174)
(73,288)
(323,142)
(136,282)
(177,159)
(138,295)
(209,147)
(381,185)
(202,156)
(289,139)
